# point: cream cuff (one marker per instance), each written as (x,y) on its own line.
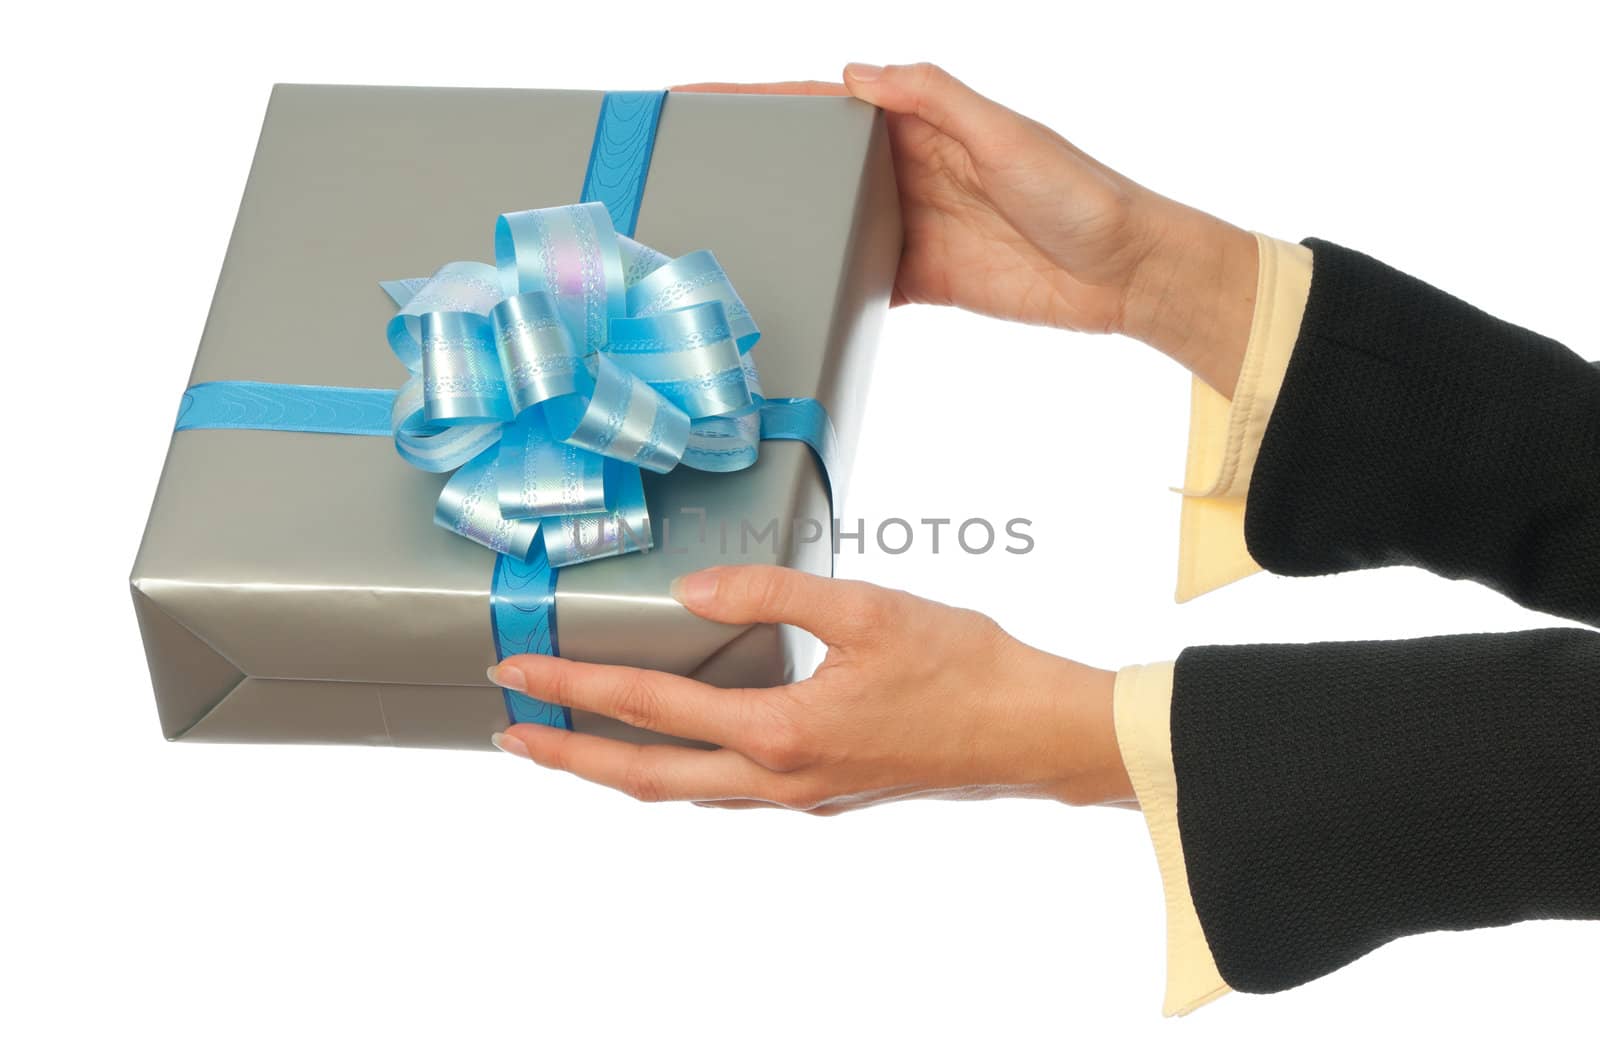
(1225,437)
(1143,711)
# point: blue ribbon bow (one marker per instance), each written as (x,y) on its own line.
(551,379)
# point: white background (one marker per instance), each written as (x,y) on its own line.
(209,902)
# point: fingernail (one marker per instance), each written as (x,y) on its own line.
(695,589)
(508,676)
(509,744)
(863,71)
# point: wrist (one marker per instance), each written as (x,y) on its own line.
(1096,773)
(1192,295)
(1068,740)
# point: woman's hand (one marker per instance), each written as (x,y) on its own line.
(915,699)
(1004,217)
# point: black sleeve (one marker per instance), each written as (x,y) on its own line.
(1413,429)
(1333,797)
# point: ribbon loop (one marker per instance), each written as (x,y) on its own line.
(570,252)
(695,278)
(542,477)
(461,378)
(688,355)
(622,418)
(471,287)
(536,351)
(621,528)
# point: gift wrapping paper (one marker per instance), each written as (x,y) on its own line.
(293,587)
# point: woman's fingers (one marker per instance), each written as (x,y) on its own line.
(920,89)
(836,611)
(653,701)
(931,94)
(750,722)
(646,773)
(768,88)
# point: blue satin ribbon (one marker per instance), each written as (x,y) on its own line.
(522,617)
(548,381)
(286,408)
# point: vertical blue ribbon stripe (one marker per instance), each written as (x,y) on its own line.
(522,595)
(522,616)
(619,159)
(522,599)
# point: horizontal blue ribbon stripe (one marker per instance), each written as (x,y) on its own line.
(548,381)
(247,404)
(286,408)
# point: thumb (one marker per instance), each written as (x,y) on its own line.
(931,94)
(836,611)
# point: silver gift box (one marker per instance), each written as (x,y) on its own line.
(294,588)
